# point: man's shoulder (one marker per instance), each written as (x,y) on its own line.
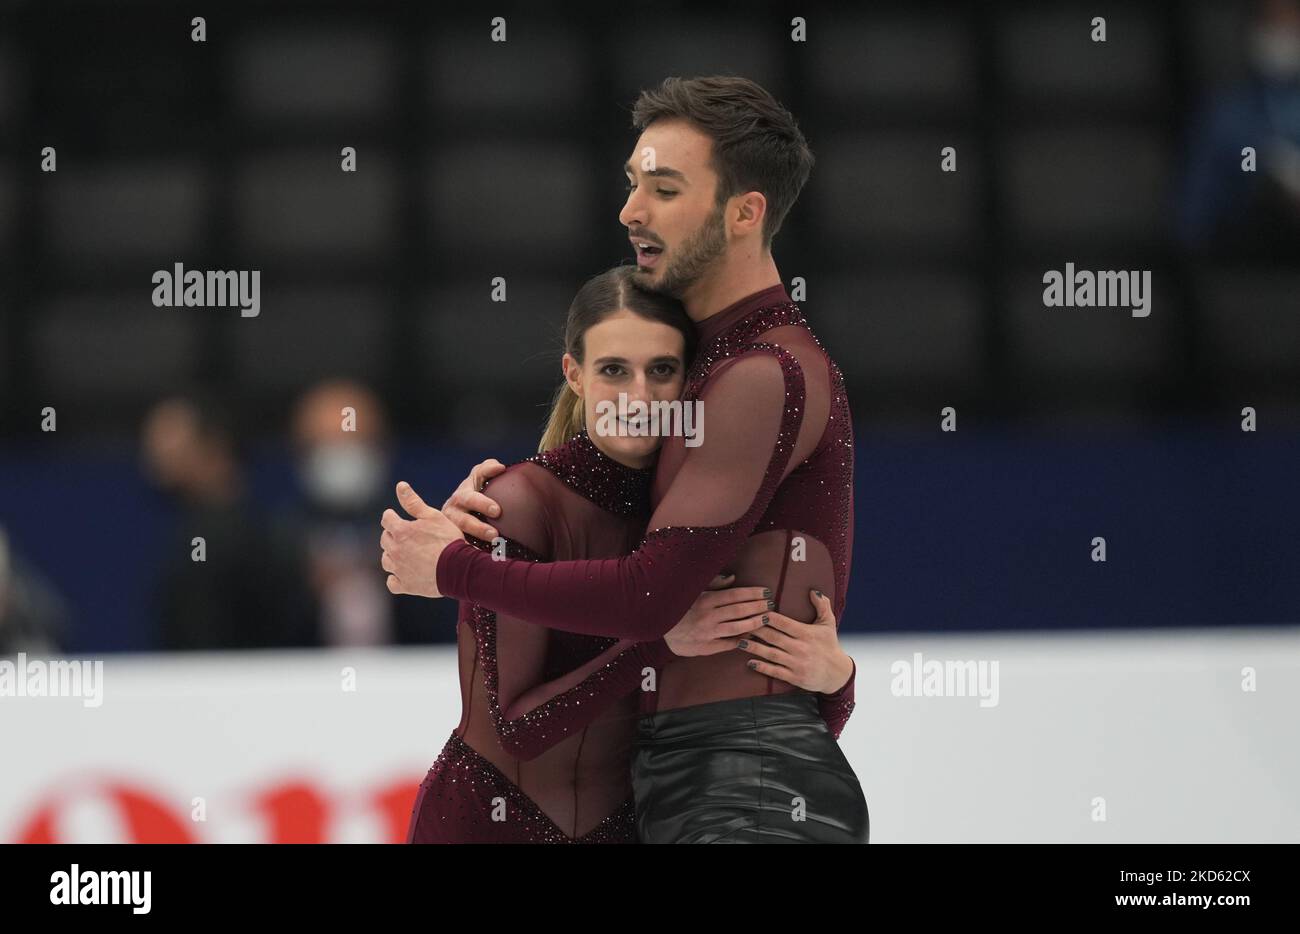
(755,365)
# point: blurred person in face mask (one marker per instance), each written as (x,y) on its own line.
(1236,213)
(241,594)
(340,432)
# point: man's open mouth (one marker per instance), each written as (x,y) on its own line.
(647,253)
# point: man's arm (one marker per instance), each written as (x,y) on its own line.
(753,408)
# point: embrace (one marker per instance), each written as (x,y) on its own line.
(647,634)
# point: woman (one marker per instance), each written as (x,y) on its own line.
(543,748)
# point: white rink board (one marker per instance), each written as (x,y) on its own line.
(1155,723)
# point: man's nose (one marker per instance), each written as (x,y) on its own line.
(633,213)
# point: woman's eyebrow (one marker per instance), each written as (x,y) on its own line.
(666,358)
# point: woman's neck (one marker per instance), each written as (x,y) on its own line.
(636,463)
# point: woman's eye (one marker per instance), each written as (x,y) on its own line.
(667,192)
(611,369)
(665,370)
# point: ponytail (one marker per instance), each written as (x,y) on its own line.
(566,418)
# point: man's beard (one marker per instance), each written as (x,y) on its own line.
(694,257)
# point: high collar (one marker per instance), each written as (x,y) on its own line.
(614,487)
(715,324)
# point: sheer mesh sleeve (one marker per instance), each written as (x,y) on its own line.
(752,408)
(530,712)
(837,707)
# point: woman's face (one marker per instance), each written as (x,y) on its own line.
(630,355)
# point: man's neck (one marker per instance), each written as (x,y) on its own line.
(737,276)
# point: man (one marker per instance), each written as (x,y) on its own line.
(725,753)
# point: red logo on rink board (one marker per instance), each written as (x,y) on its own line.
(291,812)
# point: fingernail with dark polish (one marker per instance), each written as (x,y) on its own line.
(764,620)
(743,643)
(771,604)
(767,592)
(752,663)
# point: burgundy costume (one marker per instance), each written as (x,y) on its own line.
(541,752)
(549,716)
(767,495)
(723,753)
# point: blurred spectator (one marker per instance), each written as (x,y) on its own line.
(32,615)
(340,432)
(245,593)
(1250,214)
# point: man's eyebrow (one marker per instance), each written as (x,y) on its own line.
(661,171)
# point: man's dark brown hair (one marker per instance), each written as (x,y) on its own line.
(757,146)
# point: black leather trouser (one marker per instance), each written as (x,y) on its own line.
(753,770)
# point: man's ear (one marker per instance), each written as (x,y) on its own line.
(747,212)
(572,374)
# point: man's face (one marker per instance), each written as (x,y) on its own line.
(672,216)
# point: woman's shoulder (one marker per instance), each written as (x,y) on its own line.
(523,485)
(524,492)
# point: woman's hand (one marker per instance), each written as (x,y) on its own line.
(807,655)
(411,547)
(718,618)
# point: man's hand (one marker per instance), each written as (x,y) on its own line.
(807,655)
(717,618)
(467,497)
(411,546)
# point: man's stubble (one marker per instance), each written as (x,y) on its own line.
(696,257)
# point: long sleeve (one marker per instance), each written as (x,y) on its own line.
(753,407)
(837,707)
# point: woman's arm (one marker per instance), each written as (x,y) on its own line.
(838,707)
(531,714)
(753,408)
(809,656)
(531,717)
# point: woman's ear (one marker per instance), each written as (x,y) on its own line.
(572,374)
